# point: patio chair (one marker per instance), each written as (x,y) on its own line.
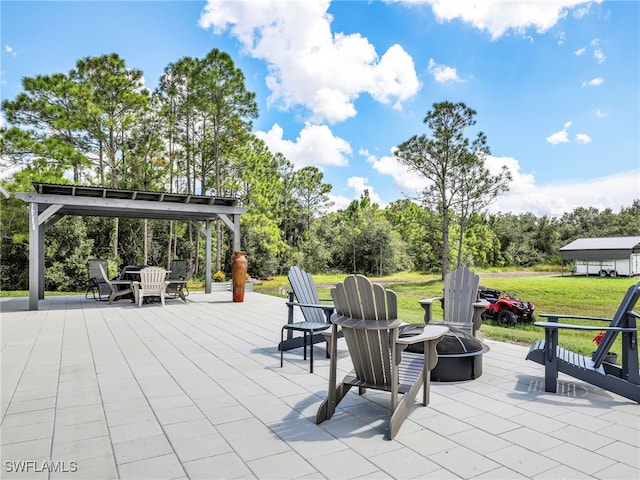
(179,275)
(623,380)
(97,285)
(367,314)
(153,283)
(316,315)
(117,288)
(461,308)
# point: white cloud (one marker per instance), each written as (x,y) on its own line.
(9,49)
(403,179)
(315,146)
(443,73)
(593,82)
(499,16)
(525,195)
(583,138)
(560,137)
(339,202)
(359,185)
(599,114)
(599,55)
(308,64)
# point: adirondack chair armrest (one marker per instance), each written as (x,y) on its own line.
(573,317)
(311,305)
(327,309)
(571,326)
(430,332)
(426,304)
(429,301)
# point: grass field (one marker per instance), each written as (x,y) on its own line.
(551,293)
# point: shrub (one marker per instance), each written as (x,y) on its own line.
(219,276)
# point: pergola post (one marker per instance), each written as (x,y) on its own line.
(34,257)
(236,233)
(207,267)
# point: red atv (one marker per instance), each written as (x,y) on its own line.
(507,310)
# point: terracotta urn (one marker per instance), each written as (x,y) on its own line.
(238,275)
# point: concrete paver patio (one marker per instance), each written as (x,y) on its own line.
(91,390)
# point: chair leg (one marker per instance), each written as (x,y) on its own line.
(281,349)
(304,345)
(311,353)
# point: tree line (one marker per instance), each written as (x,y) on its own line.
(98,125)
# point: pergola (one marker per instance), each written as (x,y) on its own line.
(51,202)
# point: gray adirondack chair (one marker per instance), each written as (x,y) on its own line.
(367,314)
(459,301)
(117,288)
(623,380)
(304,295)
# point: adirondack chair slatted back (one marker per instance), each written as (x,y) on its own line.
(304,289)
(460,292)
(619,320)
(367,313)
(152,280)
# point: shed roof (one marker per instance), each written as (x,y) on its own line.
(600,248)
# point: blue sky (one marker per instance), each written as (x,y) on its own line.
(555,83)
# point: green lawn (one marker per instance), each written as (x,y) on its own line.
(592,296)
(551,293)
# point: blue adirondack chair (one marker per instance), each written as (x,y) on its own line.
(304,295)
(623,379)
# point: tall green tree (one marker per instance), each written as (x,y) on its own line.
(445,160)
(311,193)
(46,123)
(478,188)
(418,227)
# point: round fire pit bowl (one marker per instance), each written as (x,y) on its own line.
(459,354)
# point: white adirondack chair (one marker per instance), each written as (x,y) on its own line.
(153,283)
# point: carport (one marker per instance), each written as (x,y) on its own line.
(51,202)
(604,255)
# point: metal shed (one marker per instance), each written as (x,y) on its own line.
(605,256)
(53,201)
